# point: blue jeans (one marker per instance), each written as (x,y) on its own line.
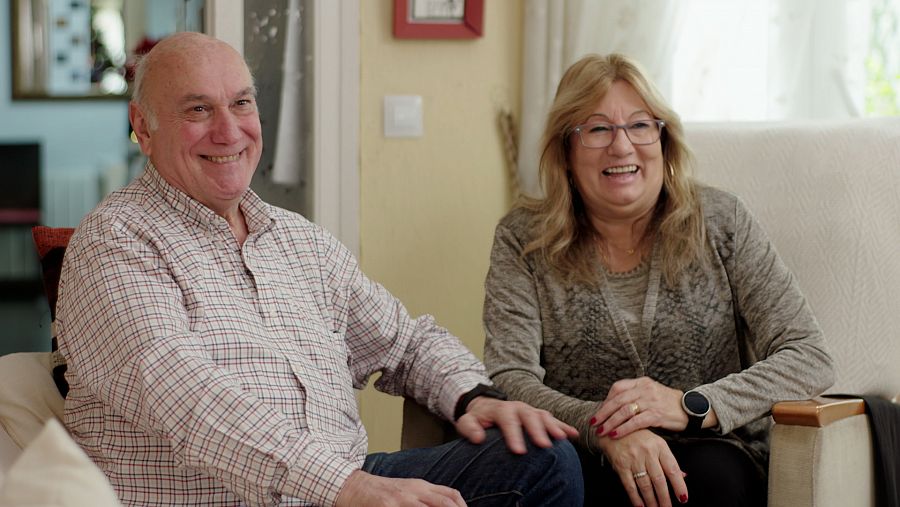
(487,474)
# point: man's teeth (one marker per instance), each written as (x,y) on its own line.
(222,160)
(621,170)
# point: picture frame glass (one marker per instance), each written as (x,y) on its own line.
(438,10)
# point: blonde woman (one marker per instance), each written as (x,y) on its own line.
(648,311)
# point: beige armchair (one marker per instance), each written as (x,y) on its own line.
(828,194)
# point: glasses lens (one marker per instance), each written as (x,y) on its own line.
(597,135)
(643,131)
(602,134)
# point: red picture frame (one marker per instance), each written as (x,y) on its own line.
(469,26)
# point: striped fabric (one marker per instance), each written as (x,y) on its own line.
(204,372)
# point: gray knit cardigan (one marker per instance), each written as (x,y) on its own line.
(739,331)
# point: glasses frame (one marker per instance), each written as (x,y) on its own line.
(615,132)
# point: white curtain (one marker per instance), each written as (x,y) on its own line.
(771,60)
(817,58)
(714,60)
(288,152)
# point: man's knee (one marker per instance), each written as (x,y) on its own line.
(489,474)
(561,457)
(558,479)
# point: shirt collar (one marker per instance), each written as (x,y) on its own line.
(258,214)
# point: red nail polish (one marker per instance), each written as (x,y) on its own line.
(593,421)
(613,434)
(683,498)
(599,430)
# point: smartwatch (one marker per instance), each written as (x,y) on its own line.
(696,406)
(480,390)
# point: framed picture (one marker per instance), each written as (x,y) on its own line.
(438,19)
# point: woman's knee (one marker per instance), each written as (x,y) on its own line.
(722,472)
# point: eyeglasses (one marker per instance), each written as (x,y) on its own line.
(602,134)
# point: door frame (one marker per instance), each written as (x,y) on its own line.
(335,172)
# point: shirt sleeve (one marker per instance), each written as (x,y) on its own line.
(125,331)
(780,328)
(514,337)
(416,357)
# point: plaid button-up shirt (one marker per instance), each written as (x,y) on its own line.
(205,372)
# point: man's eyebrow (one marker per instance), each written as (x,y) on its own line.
(194,97)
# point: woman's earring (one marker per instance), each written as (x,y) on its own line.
(671,170)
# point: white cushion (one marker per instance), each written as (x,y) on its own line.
(54,471)
(28,395)
(9,451)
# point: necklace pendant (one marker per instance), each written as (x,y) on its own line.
(630,251)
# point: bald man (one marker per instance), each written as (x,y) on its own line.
(214,341)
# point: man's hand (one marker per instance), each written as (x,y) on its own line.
(510,417)
(366,490)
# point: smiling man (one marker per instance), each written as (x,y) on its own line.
(214,341)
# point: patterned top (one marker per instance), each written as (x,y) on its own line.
(739,331)
(204,372)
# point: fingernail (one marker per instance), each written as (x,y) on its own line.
(683,498)
(599,430)
(613,434)
(593,421)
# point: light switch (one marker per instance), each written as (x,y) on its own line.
(403,116)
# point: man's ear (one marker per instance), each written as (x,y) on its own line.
(140,126)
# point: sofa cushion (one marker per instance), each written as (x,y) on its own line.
(28,395)
(54,471)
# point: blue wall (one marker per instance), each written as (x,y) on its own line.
(75,136)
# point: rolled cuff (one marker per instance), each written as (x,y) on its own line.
(318,480)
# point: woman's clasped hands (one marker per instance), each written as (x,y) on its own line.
(642,459)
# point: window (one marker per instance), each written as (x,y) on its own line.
(784,59)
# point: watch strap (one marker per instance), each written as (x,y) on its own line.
(479,390)
(694,425)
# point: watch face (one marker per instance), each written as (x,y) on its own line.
(696,403)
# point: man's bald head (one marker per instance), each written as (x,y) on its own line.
(176,49)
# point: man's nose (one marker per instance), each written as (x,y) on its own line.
(226,128)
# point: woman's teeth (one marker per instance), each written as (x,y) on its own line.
(621,170)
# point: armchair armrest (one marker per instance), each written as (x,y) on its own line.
(817,412)
(421,428)
(821,454)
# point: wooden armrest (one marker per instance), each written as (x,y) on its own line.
(817,412)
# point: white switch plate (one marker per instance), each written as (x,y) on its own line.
(403,116)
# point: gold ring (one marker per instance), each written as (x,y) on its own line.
(639,475)
(635,408)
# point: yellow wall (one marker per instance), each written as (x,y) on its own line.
(428,205)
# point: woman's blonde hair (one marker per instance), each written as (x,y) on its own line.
(563,234)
